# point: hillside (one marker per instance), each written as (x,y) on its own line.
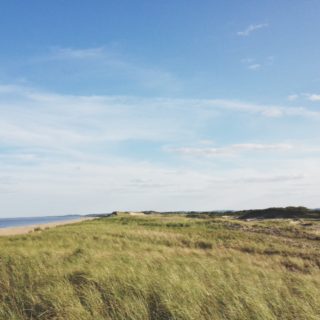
(163,267)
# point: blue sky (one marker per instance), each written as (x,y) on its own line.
(164,105)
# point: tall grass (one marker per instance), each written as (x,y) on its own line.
(162,267)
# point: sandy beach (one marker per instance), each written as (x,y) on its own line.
(27,229)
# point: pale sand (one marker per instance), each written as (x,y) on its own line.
(10,231)
(136,213)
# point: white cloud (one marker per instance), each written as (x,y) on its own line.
(273,178)
(261,147)
(254,67)
(71,53)
(69,154)
(232,149)
(82,187)
(247,60)
(272,111)
(308,96)
(313,97)
(251,28)
(42,119)
(293,97)
(109,62)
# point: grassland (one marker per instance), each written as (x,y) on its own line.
(163,267)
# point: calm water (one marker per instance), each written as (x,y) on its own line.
(19,222)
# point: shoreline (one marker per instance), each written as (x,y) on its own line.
(12,231)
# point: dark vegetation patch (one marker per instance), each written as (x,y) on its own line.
(177,225)
(203,245)
(75,255)
(157,308)
(280,213)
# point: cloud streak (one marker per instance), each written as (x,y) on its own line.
(308,96)
(254,67)
(81,153)
(313,97)
(293,97)
(251,28)
(71,53)
(42,119)
(232,149)
(107,62)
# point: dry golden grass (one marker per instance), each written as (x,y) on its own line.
(163,267)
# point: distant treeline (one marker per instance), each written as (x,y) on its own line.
(280,213)
(269,213)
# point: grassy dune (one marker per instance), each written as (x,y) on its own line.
(163,267)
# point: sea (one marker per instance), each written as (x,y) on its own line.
(27,221)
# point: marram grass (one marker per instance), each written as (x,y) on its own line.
(163,267)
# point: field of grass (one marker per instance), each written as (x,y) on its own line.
(163,267)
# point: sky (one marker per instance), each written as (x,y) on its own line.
(158,105)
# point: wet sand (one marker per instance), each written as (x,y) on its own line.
(10,231)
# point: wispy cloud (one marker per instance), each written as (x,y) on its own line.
(272,111)
(255,66)
(77,153)
(109,63)
(293,97)
(308,96)
(33,119)
(72,53)
(313,97)
(272,178)
(232,149)
(251,28)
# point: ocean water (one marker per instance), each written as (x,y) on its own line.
(27,221)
